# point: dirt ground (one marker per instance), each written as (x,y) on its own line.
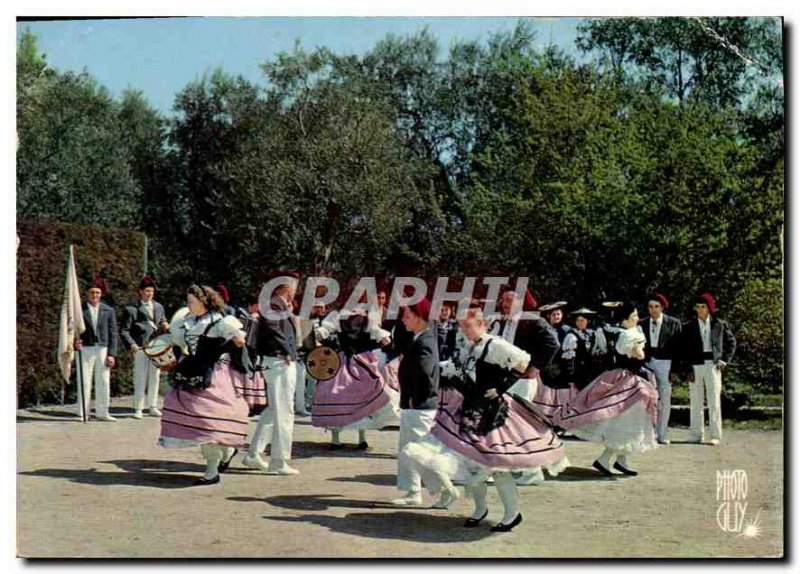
(107,490)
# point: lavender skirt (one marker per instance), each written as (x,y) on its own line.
(524,441)
(217,415)
(252,389)
(617,409)
(357,397)
(608,396)
(550,402)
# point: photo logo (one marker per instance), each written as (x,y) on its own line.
(732,508)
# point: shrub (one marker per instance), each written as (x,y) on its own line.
(114,254)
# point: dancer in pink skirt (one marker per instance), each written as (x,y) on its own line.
(555,389)
(202,407)
(482,431)
(619,407)
(359,397)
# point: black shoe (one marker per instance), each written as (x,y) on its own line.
(474,522)
(336,446)
(625,471)
(223,465)
(500,527)
(203,481)
(603,470)
(362,446)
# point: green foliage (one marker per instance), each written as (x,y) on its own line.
(114,254)
(658,166)
(72,163)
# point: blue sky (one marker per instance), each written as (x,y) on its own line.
(160,57)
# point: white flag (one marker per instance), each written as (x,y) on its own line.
(71,318)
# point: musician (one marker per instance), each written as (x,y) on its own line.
(141,321)
(481,430)
(358,397)
(318,313)
(98,347)
(708,345)
(202,407)
(277,352)
(419,389)
(662,333)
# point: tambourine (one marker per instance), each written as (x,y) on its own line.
(323,363)
(159,351)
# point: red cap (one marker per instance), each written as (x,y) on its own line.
(98,283)
(530,302)
(661,298)
(147,282)
(707,299)
(422,309)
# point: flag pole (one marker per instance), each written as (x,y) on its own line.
(79,359)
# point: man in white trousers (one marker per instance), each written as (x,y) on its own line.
(98,347)
(274,341)
(418,376)
(662,333)
(708,345)
(142,320)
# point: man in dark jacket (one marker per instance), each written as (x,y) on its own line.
(98,347)
(536,337)
(708,345)
(142,320)
(419,395)
(276,348)
(662,333)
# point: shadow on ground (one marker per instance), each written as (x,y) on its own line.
(430,527)
(579,473)
(306,449)
(144,473)
(376,479)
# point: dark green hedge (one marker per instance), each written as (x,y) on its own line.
(117,255)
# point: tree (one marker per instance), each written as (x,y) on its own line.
(715,60)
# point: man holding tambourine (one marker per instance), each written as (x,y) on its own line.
(141,321)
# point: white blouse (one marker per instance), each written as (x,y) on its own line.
(332,324)
(629,340)
(501,353)
(185,328)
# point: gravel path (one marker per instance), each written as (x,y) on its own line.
(107,490)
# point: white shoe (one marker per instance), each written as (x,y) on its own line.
(714,442)
(137,414)
(530,478)
(410,499)
(447,498)
(664,441)
(106,418)
(284,470)
(154,412)
(255,461)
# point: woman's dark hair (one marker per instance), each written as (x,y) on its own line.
(626,309)
(212,300)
